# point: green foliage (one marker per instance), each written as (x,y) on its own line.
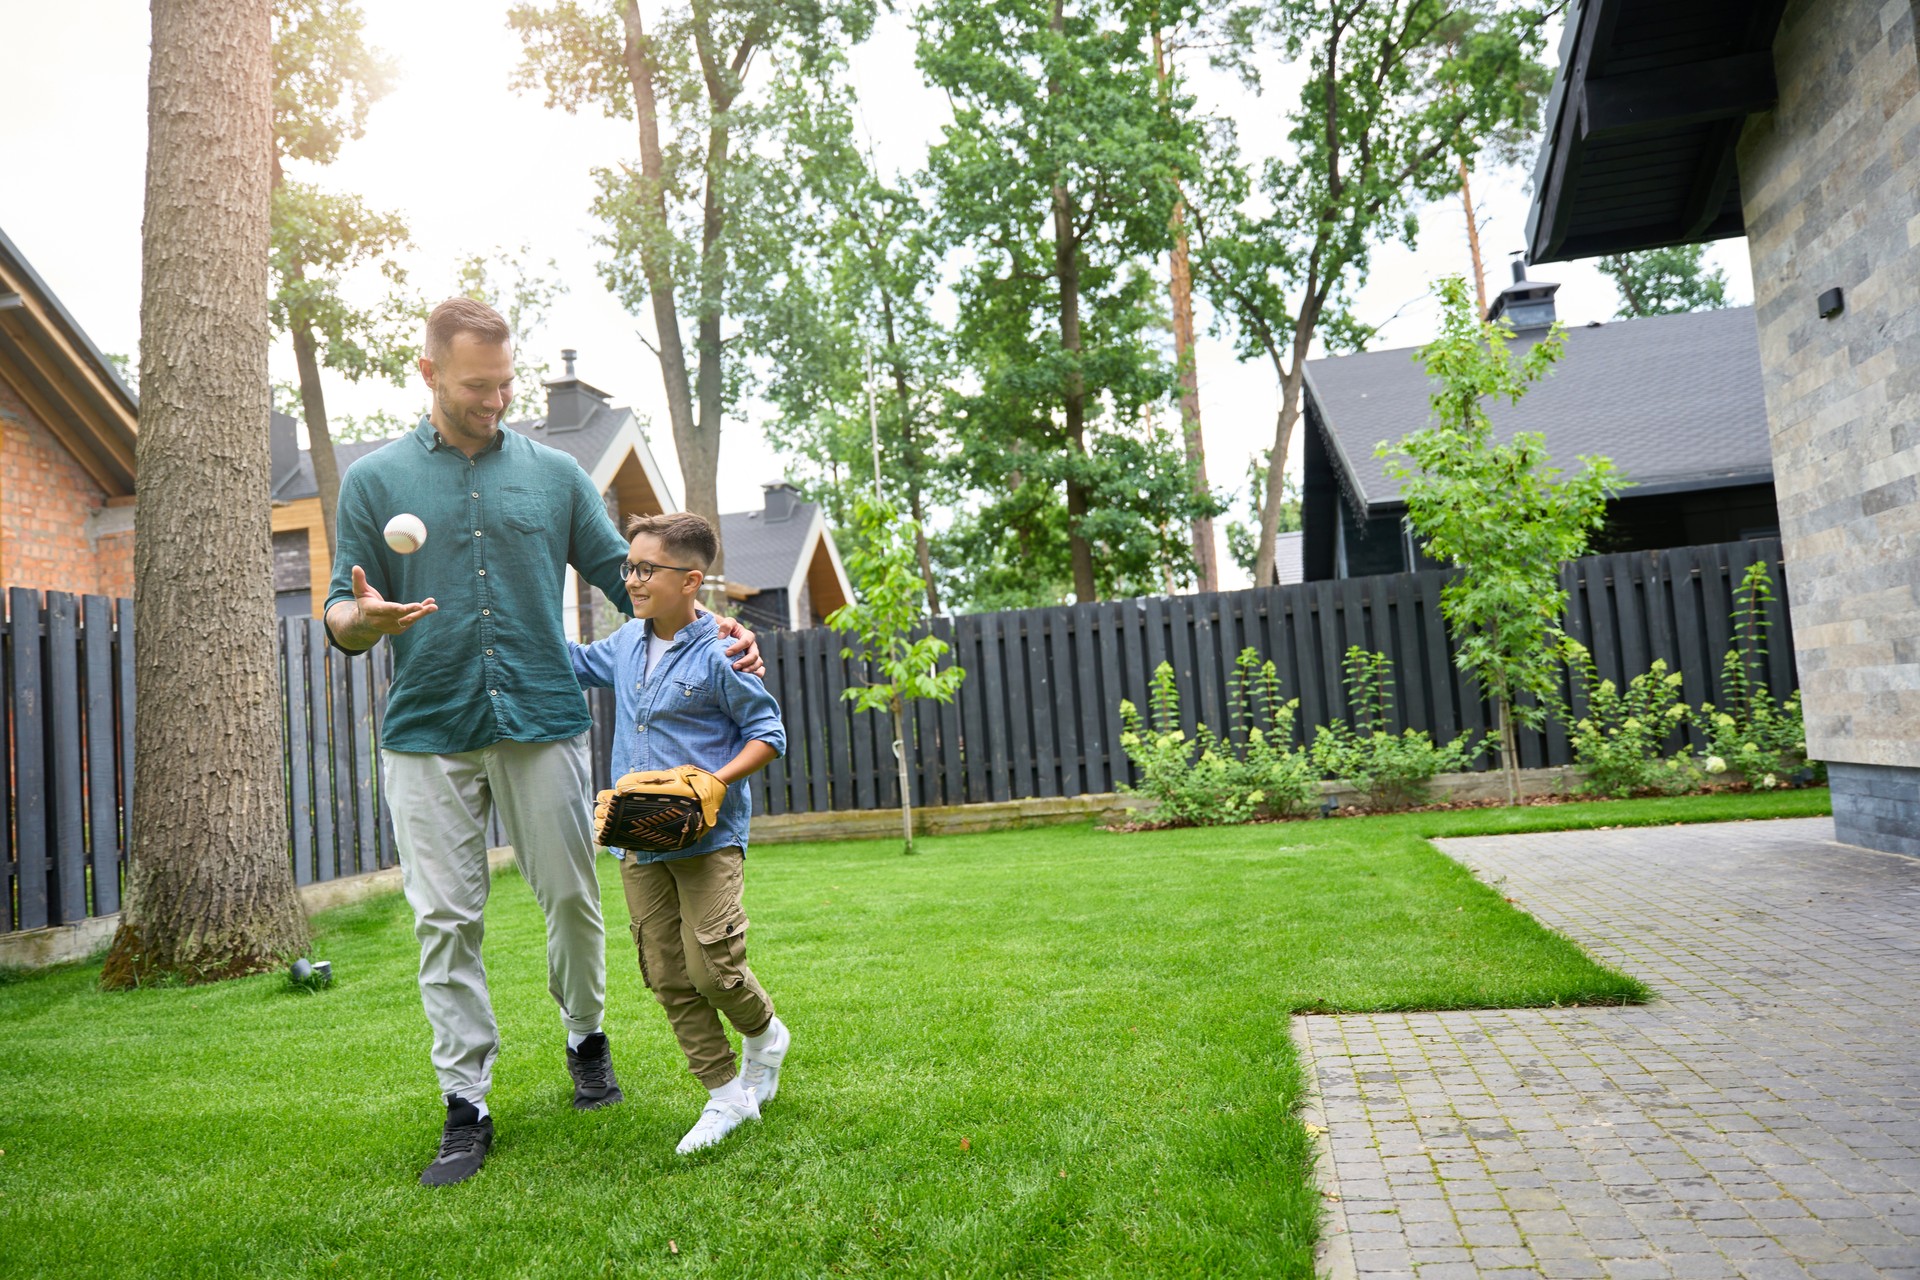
(1499,511)
(1394,770)
(890,609)
(1660,282)
(1396,91)
(326,79)
(1621,740)
(512,282)
(1243,537)
(1211,780)
(1752,733)
(1054,183)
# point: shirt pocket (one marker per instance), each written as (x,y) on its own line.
(524,510)
(686,691)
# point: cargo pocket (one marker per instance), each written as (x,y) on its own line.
(723,945)
(640,949)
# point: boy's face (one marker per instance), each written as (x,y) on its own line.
(669,592)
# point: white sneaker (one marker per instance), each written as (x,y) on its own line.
(761,1068)
(716,1122)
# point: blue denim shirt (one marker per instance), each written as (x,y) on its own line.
(695,709)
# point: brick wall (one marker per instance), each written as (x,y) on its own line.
(1831,181)
(56,528)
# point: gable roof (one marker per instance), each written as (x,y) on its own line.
(1676,402)
(70,386)
(770,554)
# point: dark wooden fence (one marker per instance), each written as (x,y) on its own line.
(1038,714)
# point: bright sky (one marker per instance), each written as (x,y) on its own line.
(474,166)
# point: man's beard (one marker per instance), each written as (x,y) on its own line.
(457,418)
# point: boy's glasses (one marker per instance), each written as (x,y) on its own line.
(644,570)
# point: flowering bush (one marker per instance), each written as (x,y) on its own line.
(1751,733)
(1209,780)
(1394,770)
(1621,741)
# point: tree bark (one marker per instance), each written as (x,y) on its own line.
(900,755)
(1292,375)
(1509,747)
(903,397)
(655,263)
(210,892)
(1180,283)
(1066,266)
(313,409)
(1473,240)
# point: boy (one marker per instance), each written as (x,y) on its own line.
(681,703)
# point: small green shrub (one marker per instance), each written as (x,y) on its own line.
(1209,780)
(1394,770)
(1751,733)
(1621,741)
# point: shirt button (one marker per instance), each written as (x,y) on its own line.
(489,653)
(643,729)
(476,533)
(483,573)
(493,693)
(486,613)
(476,494)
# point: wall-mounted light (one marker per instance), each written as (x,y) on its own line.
(1832,303)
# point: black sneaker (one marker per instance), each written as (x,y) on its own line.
(591,1066)
(464,1144)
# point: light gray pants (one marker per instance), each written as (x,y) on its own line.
(441,806)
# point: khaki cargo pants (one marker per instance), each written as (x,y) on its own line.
(691,932)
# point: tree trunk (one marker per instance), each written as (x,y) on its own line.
(1264,571)
(313,408)
(1473,240)
(655,262)
(1066,266)
(903,397)
(1180,272)
(210,890)
(1509,747)
(906,790)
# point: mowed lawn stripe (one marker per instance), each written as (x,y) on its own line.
(1056,1052)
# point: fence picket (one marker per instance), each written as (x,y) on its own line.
(29,761)
(293,641)
(65,762)
(103,795)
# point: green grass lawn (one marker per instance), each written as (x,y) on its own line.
(1057,1052)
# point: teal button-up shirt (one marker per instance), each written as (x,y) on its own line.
(502,527)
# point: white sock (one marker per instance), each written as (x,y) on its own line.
(576,1038)
(734,1090)
(765,1038)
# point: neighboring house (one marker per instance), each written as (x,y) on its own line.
(782,565)
(606,440)
(1793,124)
(1289,557)
(67,427)
(1676,402)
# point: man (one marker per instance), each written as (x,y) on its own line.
(485,712)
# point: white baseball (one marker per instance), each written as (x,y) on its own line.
(406,533)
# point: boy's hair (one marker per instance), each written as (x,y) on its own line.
(683,535)
(463,315)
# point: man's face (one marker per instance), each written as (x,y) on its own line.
(665,592)
(472,385)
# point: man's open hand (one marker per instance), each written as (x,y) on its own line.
(373,615)
(745,649)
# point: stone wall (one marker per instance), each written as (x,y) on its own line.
(1831,182)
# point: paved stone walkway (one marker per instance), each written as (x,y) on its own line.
(1760,1119)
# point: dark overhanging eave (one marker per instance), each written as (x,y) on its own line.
(1615,102)
(1662,487)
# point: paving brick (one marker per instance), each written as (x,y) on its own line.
(1756,1121)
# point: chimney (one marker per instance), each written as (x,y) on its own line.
(1527,304)
(782,498)
(570,402)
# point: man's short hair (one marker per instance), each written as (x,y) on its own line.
(683,535)
(463,315)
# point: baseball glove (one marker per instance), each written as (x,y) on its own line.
(658,811)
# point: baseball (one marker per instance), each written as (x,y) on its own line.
(406,533)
